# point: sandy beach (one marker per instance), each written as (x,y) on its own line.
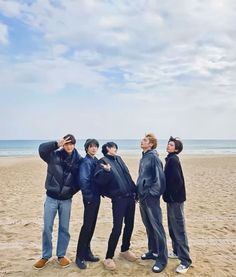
(210,217)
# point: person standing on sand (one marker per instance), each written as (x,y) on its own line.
(174,196)
(114,181)
(151,185)
(61,184)
(91,200)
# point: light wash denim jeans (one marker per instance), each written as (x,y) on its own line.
(51,207)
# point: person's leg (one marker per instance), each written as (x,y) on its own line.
(152,246)
(118,211)
(129,224)
(94,216)
(170,216)
(87,230)
(155,216)
(50,211)
(179,230)
(63,230)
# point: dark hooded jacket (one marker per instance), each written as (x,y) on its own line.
(175,185)
(151,179)
(62,180)
(114,183)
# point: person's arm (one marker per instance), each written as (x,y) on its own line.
(85,181)
(46,149)
(159,183)
(174,176)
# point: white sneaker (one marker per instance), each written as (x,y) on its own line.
(172,255)
(182,269)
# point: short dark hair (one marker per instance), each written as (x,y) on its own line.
(71,137)
(178,144)
(90,142)
(109,144)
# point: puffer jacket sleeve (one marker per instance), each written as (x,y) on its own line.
(46,150)
(102,177)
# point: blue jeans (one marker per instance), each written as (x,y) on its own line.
(177,231)
(51,207)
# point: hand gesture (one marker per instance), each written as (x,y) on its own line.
(62,141)
(106,167)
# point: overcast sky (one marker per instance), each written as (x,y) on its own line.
(117,69)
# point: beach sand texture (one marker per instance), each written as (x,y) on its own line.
(210,217)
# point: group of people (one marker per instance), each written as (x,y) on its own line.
(68,172)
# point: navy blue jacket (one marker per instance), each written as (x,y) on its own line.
(116,182)
(175,185)
(62,180)
(151,179)
(88,187)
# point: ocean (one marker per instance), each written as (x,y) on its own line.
(126,146)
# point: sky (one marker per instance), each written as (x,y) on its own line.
(117,69)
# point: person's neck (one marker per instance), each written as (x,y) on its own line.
(91,155)
(145,150)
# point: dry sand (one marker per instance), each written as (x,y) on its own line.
(210,215)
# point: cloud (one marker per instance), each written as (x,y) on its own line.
(3,34)
(147,56)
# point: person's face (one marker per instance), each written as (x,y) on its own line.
(170,147)
(92,150)
(145,144)
(69,147)
(111,151)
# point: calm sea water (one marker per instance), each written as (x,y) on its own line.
(131,146)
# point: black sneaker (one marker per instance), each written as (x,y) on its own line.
(149,256)
(91,258)
(158,267)
(81,263)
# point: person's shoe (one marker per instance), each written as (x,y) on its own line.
(149,256)
(91,258)
(81,263)
(128,255)
(109,264)
(64,262)
(182,269)
(172,255)
(40,264)
(158,267)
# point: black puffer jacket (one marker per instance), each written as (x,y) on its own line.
(175,185)
(117,182)
(151,179)
(62,180)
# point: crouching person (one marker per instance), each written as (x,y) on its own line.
(115,182)
(61,184)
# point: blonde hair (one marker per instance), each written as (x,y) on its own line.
(152,139)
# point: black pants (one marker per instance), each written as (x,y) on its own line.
(87,230)
(152,219)
(123,208)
